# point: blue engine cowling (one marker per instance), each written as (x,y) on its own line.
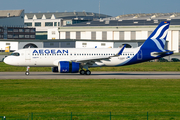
(66,67)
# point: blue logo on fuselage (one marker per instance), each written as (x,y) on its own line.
(52,51)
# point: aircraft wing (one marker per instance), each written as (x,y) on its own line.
(98,59)
(90,60)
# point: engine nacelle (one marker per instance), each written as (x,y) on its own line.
(67,67)
(55,69)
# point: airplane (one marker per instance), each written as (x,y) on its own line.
(74,60)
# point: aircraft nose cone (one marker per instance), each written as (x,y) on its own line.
(6,60)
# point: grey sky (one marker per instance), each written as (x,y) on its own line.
(108,7)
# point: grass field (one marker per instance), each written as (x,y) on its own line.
(20,97)
(146,66)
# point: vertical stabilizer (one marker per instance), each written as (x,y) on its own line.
(157,39)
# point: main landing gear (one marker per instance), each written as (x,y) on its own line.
(27,71)
(83,72)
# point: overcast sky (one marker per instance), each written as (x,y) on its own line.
(108,7)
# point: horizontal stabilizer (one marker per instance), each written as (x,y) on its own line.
(161,53)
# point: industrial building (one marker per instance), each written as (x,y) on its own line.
(92,30)
(133,27)
(22,44)
(44,21)
(12,25)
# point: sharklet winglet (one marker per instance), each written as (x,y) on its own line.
(120,51)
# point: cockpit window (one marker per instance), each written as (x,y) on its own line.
(15,54)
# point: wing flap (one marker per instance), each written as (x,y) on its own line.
(95,59)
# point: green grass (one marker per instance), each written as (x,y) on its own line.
(146,66)
(20,97)
(5,53)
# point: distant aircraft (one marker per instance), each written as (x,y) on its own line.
(71,60)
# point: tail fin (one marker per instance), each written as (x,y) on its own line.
(157,39)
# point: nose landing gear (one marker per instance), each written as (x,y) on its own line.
(27,71)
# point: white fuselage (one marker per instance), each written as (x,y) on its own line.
(49,57)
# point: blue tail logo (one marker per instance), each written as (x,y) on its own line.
(157,39)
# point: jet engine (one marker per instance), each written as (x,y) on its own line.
(66,67)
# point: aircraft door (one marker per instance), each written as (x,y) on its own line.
(27,55)
(139,55)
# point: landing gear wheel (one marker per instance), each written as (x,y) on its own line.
(82,72)
(88,72)
(27,73)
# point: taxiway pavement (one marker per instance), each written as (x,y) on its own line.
(94,75)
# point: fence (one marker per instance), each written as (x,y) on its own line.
(1,118)
(98,116)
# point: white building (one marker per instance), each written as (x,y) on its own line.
(127,28)
(87,26)
(44,21)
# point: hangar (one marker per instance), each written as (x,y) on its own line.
(12,25)
(131,27)
(66,43)
(44,21)
(92,30)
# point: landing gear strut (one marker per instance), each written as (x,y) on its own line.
(27,70)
